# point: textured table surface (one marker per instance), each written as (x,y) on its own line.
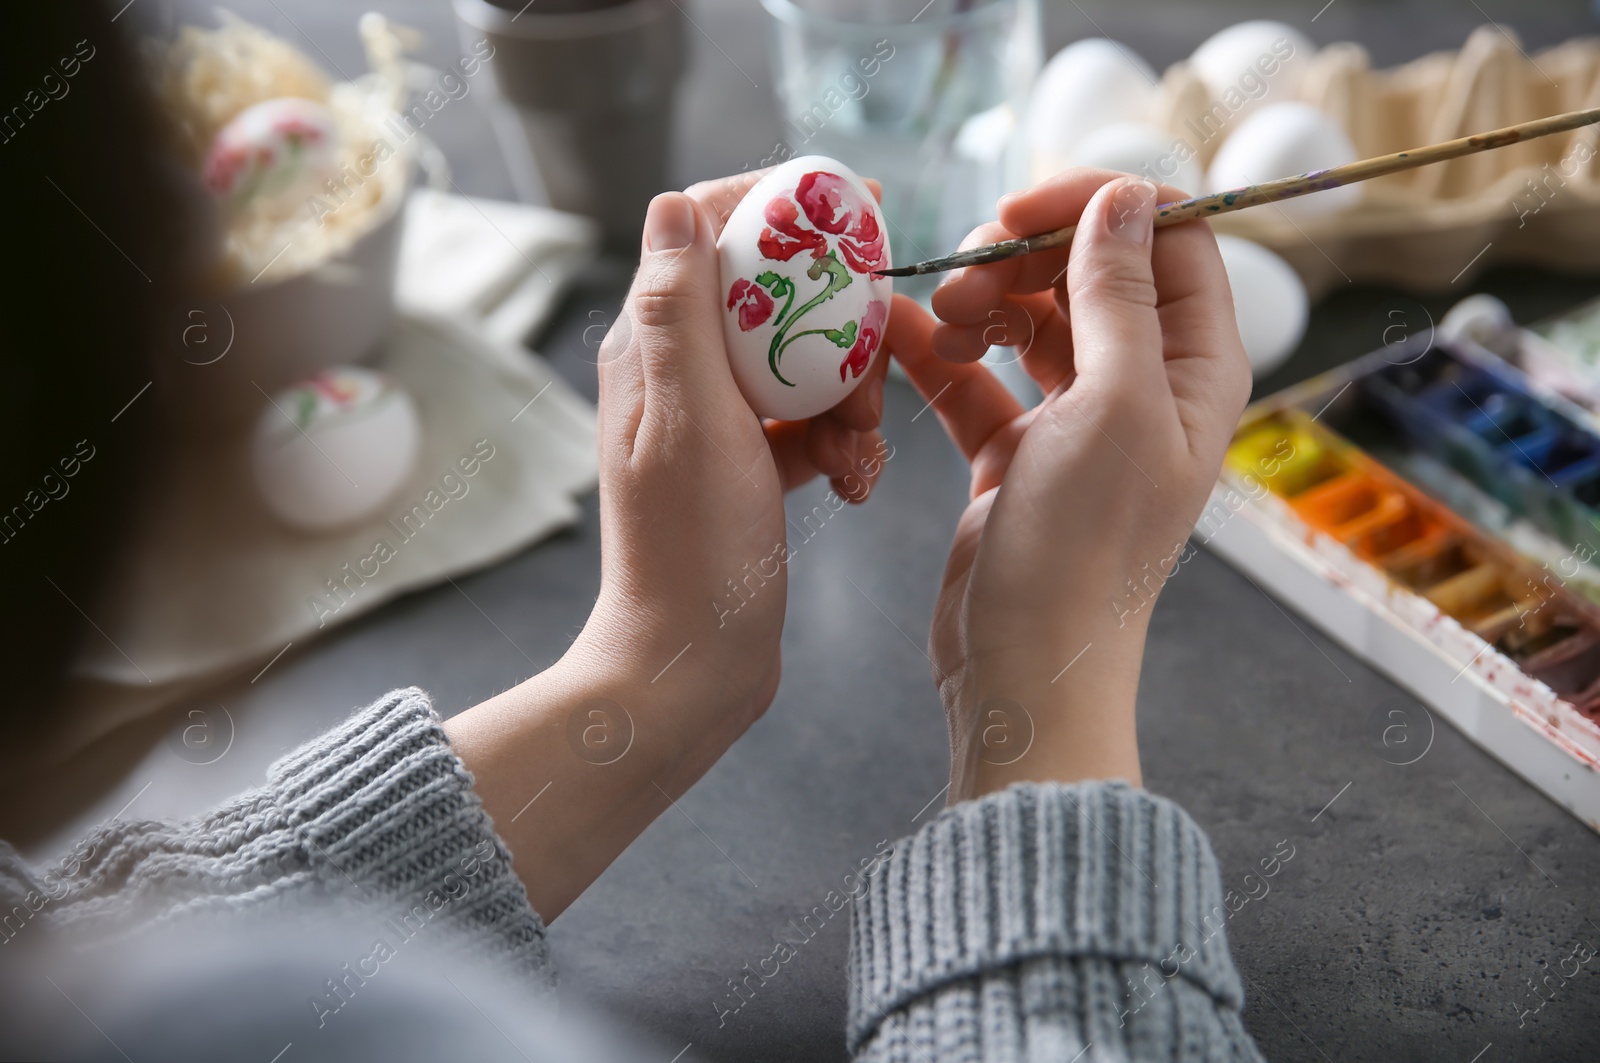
(1419,901)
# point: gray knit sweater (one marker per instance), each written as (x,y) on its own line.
(1044,923)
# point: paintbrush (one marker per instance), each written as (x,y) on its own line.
(1271,191)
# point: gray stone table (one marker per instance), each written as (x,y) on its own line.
(1419,899)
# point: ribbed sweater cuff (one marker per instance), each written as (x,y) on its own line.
(387,811)
(1041,870)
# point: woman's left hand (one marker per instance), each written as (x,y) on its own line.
(681,652)
(692,482)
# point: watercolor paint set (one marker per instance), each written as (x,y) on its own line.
(1437,511)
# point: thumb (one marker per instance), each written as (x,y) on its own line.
(1116,335)
(676,308)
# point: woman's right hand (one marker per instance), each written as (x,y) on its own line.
(1082,505)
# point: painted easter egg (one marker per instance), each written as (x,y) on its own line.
(279,149)
(333,449)
(804,315)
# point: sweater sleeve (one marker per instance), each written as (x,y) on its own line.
(1047,922)
(378,812)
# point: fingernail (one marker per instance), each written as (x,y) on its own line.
(875,397)
(669,223)
(1009,197)
(1133,208)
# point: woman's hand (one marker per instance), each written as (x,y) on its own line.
(680,654)
(692,482)
(1081,506)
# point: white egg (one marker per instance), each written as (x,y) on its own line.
(804,316)
(1484,320)
(1253,63)
(1086,85)
(1136,148)
(333,449)
(276,150)
(1269,301)
(1478,311)
(1283,140)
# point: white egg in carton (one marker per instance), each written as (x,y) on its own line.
(1259,101)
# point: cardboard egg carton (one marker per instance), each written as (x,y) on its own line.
(1434,227)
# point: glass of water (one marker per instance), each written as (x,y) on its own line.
(927,96)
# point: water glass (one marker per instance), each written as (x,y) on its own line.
(927,96)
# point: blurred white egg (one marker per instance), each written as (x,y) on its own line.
(333,449)
(1484,320)
(1479,314)
(982,149)
(1086,85)
(1283,140)
(1252,63)
(1269,302)
(804,314)
(276,150)
(1136,148)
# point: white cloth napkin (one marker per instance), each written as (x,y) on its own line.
(501,264)
(211,586)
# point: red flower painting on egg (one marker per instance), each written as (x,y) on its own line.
(828,216)
(867,339)
(753,303)
(834,208)
(833,205)
(784,236)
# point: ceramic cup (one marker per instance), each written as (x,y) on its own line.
(224,351)
(581,95)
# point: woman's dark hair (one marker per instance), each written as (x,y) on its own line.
(88,223)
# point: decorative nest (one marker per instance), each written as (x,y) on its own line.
(206,77)
(1431,228)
